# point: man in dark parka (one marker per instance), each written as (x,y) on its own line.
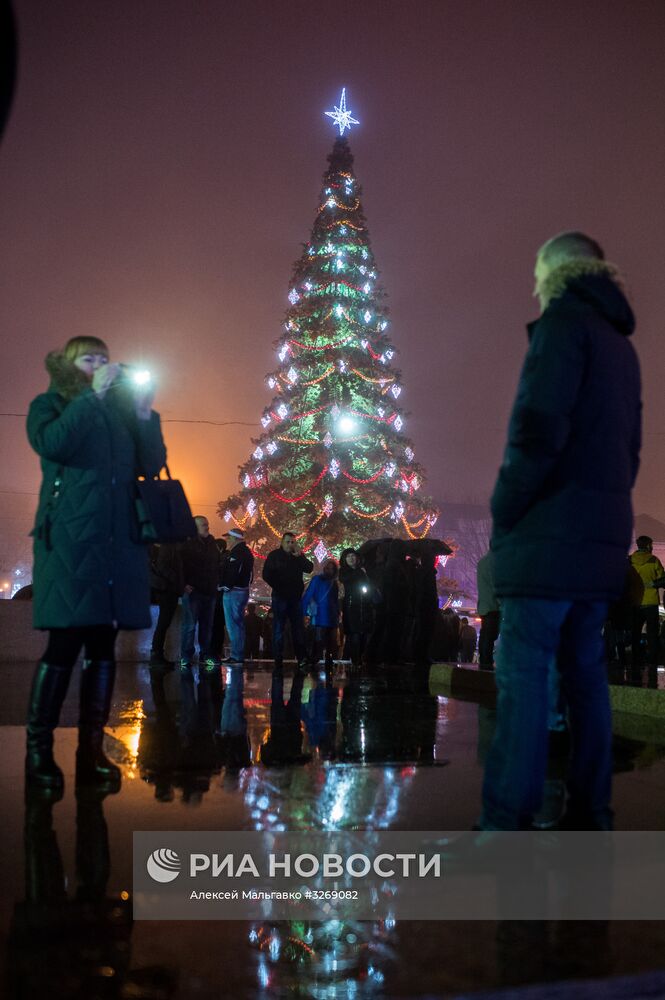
(562,523)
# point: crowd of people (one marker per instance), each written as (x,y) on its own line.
(378,604)
(562,524)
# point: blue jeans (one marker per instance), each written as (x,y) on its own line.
(235,602)
(287,609)
(532,632)
(197,609)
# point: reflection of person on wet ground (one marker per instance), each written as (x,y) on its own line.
(233,743)
(185,753)
(159,745)
(283,745)
(320,714)
(63,946)
(388,718)
(198,718)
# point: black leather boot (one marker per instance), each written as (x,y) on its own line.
(49,687)
(92,765)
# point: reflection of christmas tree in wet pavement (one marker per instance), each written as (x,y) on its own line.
(333,463)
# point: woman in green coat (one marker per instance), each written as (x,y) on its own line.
(94,431)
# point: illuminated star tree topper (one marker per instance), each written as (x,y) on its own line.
(341,116)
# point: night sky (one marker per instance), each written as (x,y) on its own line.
(163,162)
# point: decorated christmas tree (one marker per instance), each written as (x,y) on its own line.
(333,463)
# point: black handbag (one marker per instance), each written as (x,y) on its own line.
(163,511)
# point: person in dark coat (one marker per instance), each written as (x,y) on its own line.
(373,556)
(424,553)
(357,603)
(93,430)
(467,641)
(200,574)
(216,650)
(252,633)
(283,572)
(396,596)
(621,615)
(166,585)
(562,524)
(488,611)
(451,632)
(237,575)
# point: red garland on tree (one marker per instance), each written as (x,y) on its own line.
(333,464)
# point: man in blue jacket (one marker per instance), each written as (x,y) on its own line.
(562,523)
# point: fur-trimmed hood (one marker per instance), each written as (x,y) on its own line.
(66,379)
(593,281)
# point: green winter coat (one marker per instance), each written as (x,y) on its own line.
(89,566)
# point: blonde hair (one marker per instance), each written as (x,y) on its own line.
(77,346)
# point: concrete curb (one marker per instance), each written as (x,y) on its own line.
(469,681)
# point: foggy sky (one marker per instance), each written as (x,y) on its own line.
(162,166)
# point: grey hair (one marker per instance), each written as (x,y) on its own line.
(567,246)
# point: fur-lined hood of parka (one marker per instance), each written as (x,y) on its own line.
(595,282)
(66,379)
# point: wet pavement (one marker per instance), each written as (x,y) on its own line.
(246,749)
